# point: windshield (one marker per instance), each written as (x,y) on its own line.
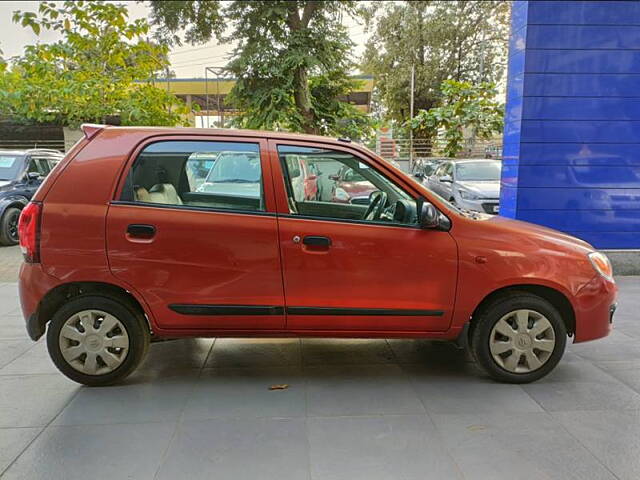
(9,166)
(478,171)
(236,168)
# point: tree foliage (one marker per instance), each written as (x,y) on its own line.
(465,106)
(460,40)
(291,59)
(102,66)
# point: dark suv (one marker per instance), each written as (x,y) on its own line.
(21,173)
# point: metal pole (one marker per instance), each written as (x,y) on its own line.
(220,116)
(206,95)
(413,77)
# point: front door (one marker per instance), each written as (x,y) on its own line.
(194,231)
(355,265)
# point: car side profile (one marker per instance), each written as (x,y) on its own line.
(21,173)
(141,253)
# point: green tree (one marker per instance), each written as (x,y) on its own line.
(102,66)
(291,59)
(464,107)
(460,40)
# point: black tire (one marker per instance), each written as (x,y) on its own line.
(132,320)
(9,226)
(482,326)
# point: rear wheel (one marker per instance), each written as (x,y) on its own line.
(96,340)
(9,226)
(518,338)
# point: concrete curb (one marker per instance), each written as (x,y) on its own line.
(624,262)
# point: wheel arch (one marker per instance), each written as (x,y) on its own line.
(552,295)
(58,296)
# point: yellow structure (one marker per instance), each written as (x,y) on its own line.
(209,94)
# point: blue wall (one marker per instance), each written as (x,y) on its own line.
(572,126)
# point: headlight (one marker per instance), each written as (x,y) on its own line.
(341,194)
(467,195)
(601,264)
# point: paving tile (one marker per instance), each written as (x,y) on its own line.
(94,452)
(244,393)
(258,448)
(596,395)
(360,390)
(370,448)
(12,349)
(446,393)
(12,442)
(577,371)
(526,446)
(428,352)
(629,377)
(33,400)
(156,400)
(13,327)
(175,355)
(620,347)
(611,436)
(255,352)
(332,351)
(36,360)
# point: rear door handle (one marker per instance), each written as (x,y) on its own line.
(315,241)
(141,230)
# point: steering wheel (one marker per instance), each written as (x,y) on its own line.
(377,202)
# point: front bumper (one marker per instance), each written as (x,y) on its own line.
(483,205)
(595,305)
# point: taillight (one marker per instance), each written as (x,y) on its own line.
(29,232)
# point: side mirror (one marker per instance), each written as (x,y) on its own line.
(429,216)
(33,176)
(419,175)
(446,179)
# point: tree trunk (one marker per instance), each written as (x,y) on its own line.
(302,97)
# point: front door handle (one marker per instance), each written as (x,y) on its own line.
(315,241)
(141,230)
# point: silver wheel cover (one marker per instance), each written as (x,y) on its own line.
(93,342)
(522,341)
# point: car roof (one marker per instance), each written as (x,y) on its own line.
(31,151)
(468,160)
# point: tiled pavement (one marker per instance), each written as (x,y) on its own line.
(363,409)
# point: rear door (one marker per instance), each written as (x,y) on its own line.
(201,247)
(343,273)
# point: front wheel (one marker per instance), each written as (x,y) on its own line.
(96,340)
(9,226)
(518,338)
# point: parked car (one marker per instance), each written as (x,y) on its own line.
(469,184)
(350,186)
(107,270)
(234,174)
(424,167)
(21,173)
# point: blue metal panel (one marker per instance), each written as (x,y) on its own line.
(582,85)
(579,176)
(569,199)
(627,221)
(574,12)
(612,154)
(568,108)
(599,37)
(596,131)
(582,61)
(572,127)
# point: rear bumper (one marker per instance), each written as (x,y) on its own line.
(594,306)
(33,285)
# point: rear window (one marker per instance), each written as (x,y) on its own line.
(216,175)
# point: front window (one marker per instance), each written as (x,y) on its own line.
(339,185)
(478,171)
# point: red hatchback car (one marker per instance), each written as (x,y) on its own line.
(121,248)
